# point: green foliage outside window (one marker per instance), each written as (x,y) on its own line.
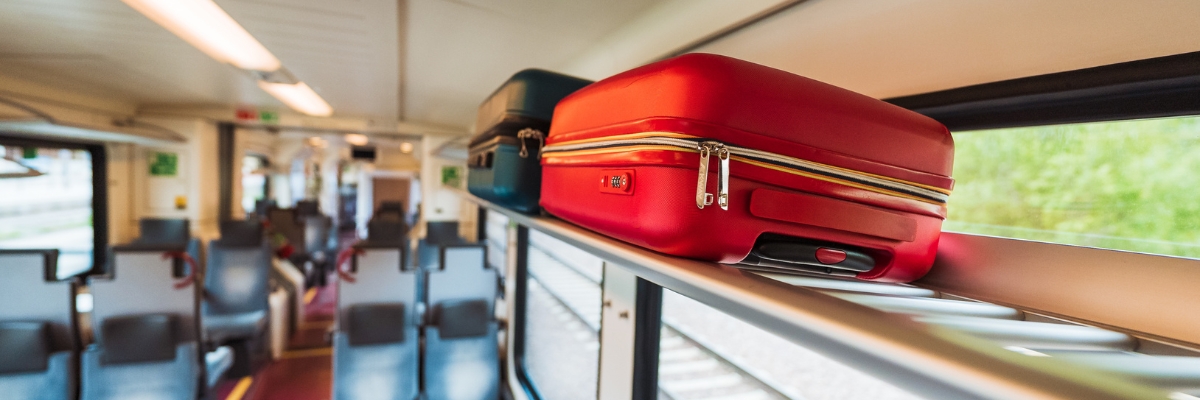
(1128,185)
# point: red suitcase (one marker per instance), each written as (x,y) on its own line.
(709,157)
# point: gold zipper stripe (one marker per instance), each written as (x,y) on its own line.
(833,180)
(741,160)
(622,149)
(643,135)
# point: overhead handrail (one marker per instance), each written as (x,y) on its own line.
(344,256)
(191,276)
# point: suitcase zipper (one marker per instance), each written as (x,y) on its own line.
(724,152)
(529,133)
(703,198)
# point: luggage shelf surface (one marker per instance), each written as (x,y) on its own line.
(927,341)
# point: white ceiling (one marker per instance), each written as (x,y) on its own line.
(346,50)
(433,61)
(459,51)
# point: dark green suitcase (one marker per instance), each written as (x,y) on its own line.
(510,128)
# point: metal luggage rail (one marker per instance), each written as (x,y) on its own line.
(928,342)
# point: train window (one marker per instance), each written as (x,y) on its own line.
(54,207)
(1126,185)
(254,181)
(496,230)
(704,353)
(562,319)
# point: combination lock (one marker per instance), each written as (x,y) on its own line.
(616,181)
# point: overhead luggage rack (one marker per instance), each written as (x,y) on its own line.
(929,342)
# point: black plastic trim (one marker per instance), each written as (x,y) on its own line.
(517,324)
(226,136)
(1156,87)
(646,338)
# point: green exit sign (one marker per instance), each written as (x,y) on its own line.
(268,117)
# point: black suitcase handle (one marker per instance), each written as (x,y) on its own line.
(809,257)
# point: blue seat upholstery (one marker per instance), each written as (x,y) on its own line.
(462,351)
(177,378)
(38,339)
(145,331)
(376,344)
(52,384)
(236,286)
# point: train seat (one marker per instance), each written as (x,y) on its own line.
(376,343)
(38,339)
(146,343)
(461,346)
(320,245)
(164,231)
(388,224)
(236,289)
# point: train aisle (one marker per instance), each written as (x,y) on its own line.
(305,371)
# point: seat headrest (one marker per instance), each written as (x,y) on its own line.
(247,233)
(307,207)
(138,338)
(390,207)
(24,347)
(377,323)
(462,318)
(379,231)
(164,231)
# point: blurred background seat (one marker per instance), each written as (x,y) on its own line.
(376,342)
(38,339)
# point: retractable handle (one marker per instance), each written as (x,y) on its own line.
(344,256)
(191,276)
(816,257)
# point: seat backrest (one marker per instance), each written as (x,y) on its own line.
(386,230)
(142,282)
(462,274)
(164,231)
(306,208)
(460,335)
(237,278)
(443,233)
(284,222)
(248,232)
(379,278)
(376,344)
(390,209)
(316,231)
(30,291)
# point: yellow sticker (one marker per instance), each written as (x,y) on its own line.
(180,202)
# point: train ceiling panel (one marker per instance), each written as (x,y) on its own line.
(106,49)
(347,52)
(896,48)
(459,51)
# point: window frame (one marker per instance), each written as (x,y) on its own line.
(1150,88)
(100,221)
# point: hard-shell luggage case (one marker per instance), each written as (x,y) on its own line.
(510,129)
(714,158)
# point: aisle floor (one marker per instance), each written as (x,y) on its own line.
(305,371)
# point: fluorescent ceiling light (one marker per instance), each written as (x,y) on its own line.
(299,97)
(207,27)
(357,139)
